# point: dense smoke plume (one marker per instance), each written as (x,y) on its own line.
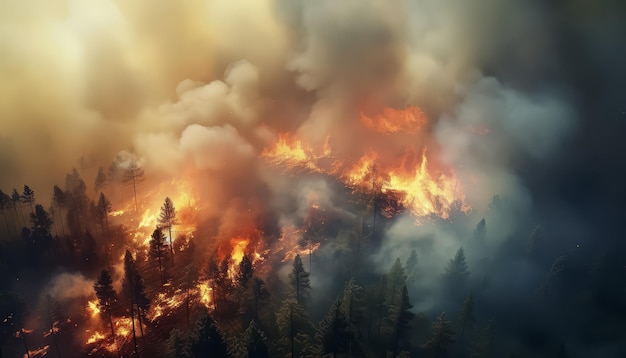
(197,93)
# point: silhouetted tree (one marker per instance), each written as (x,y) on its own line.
(209,341)
(158,252)
(352,308)
(244,271)
(29,197)
(466,315)
(106,297)
(59,200)
(480,233)
(17,200)
(333,334)
(411,263)
(396,279)
(5,204)
(41,227)
(253,343)
(128,291)
(260,296)
(167,219)
(442,337)
(456,272)
(103,210)
(134,175)
(100,180)
(299,280)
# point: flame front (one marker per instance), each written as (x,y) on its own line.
(416,184)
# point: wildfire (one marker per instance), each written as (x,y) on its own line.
(205,292)
(411,181)
(289,244)
(95,337)
(391,120)
(290,153)
(93,307)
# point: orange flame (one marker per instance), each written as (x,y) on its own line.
(416,185)
(290,153)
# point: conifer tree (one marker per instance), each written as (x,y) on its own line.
(17,199)
(411,263)
(106,297)
(103,210)
(352,308)
(255,342)
(293,327)
(480,233)
(466,315)
(456,272)
(396,279)
(167,219)
(244,271)
(59,199)
(158,252)
(299,280)
(209,341)
(29,197)
(333,334)
(442,337)
(100,180)
(179,344)
(128,291)
(397,324)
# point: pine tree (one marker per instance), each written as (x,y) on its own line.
(167,219)
(158,252)
(59,200)
(100,180)
(128,291)
(482,345)
(134,175)
(17,199)
(260,296)
(293,327)
(411,263)
(442,337)
(244,271)
(29,197)
(255,342)
(396,279)
(480,233)
(209,341)
(106,297)
(5,204)
(299,280)
(41,222)
(333,334)
(466,315)
(397,324)
(456,272)
(352,308)
(103,210)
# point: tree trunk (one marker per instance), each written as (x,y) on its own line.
(132,320)
(291,333)
(171,244)
(61,214)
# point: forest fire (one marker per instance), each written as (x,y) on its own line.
(290,153)
(418,185)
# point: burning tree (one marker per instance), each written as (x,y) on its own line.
(158,252)
(167,219)
(134,175)
(106,297)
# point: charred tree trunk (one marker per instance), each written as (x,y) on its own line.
(171,244)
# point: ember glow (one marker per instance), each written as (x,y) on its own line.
(421,188)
